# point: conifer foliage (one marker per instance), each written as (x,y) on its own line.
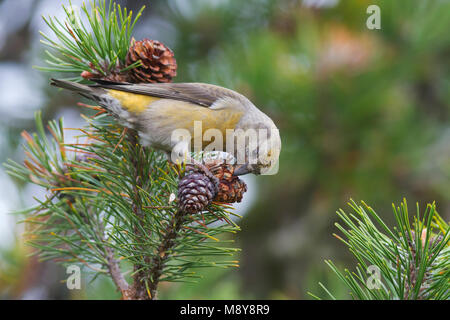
(409,262)
(111,205)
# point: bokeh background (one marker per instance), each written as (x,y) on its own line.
(363,114)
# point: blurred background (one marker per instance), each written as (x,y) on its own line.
(363,114)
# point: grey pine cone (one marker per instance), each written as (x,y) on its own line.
(195,192)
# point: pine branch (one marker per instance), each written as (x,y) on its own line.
(115,272)
(412,260)
(140,276)
(100,47)
(109,198)
(110,201)
(163,251)
(117,276)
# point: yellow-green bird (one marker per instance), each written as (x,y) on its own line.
(157,110)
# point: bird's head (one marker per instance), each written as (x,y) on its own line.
(262,159)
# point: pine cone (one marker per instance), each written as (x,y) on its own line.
(195,192)
(197,188)
(231,188)
(158,62)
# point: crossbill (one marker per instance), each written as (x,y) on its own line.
(158,110)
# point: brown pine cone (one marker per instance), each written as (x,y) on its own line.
(231,188)
(195,192)
(220,169)
(158,62)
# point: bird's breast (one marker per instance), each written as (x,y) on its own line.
(202,123)
(132,102)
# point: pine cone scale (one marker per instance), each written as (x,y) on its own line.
(154,56)
(195,192)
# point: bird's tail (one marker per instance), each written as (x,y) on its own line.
(100,95)
(89,92)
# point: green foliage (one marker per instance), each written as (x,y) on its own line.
(108,194)
(111,203)
(412,261)
(12,266)
(375,130)
(101,46)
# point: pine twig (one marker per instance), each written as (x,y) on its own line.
(110,195)
(167,243)
(114,269)
(115,204)
(139,288)
(117,276)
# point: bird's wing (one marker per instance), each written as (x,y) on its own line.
(198,93)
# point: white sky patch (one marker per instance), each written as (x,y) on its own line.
(9,201)
(51,8)
(248,198)
(320,3)
(20,92)
(11,22)
(31,192)
(190,9)
(71,119)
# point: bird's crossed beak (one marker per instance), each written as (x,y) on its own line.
(241,170)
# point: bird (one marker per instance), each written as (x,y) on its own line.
(158,110)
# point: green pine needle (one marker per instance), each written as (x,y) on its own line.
(91,201)
(98,45)
(411,262)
